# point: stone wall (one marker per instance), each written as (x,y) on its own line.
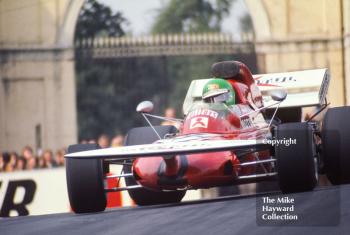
(37,77)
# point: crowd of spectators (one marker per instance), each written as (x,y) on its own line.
(28,160)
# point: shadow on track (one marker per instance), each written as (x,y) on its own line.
(327,211)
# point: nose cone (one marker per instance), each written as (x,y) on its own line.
(158,173)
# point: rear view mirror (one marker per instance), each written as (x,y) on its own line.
(145,107)
(278,95)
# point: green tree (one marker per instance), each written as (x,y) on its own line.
(96,19)
(246,24)
(191,16)
(109,91)
(95,84)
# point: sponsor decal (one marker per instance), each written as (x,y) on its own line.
(203,112)
(10,203)
(246,122)
(272,81)
(199,122)
(44,191)
(213,87)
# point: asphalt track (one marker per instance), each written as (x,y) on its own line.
(323,211)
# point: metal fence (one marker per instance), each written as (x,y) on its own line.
(163,45)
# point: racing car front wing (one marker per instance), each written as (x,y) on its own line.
(170,148)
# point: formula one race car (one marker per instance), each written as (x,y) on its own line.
(237,129)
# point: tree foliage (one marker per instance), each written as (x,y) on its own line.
(191,16)
(109,90)
(96,19)
(96,94)
(246,24)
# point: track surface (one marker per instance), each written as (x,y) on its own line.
(327,212)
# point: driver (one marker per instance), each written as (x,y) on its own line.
(218,91)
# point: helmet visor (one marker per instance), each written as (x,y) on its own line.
(222,98)
(217,96)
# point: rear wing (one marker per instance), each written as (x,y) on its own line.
(304,88)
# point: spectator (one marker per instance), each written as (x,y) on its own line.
(103,141)
(29,157)
(31,163)
(9,162)
(27,153)
(91,141)
(170,113)
(117,141)
(39,162)
(59,158)
(47,159)
(13,160)
(20,164)
(2,164)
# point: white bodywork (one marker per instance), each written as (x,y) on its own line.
(304,88)
(167,147)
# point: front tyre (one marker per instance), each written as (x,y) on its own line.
(85,181)
(296,164)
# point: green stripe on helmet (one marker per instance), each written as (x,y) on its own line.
(218,84)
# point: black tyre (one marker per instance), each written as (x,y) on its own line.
(145,135)
(85,181)
(336,145)
(296,163)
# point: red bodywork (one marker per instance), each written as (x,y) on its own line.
(202,170)
(217,168)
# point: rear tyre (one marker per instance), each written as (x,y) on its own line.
(296,164)
(142,196)
(336,145)
(85,179)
